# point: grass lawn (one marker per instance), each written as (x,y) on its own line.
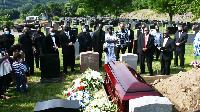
(38,92)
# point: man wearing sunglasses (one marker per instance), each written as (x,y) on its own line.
(167,46)
(145,50)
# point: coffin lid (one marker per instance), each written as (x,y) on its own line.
(126,79)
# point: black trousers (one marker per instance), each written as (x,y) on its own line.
(37,58)
(149,60)
(157,53)
(117,51)
(100,56)
(29,58)
(130,47)
(165,67)
(181,56)
(68,60)
(1,86)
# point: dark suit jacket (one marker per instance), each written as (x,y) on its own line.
(8,40)
(98,40)
(167,54)
(66,49)
(150,45)
(38,40)
(48,44)
(182,40)
(131,37)
(26,41)
(85,41)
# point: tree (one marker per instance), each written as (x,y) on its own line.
(25,8)
(171,7)
(117,7)
(195,8)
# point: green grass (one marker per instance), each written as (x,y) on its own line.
(38,92)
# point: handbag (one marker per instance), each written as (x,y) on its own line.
(105,49)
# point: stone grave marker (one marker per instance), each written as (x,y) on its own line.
(130,59)
(106,27)
(55,26)
(46,25)
(172,30)
(89,59)
(150,104)
(47,30)
(76,45)
(191,37)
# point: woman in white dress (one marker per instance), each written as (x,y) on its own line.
(110,40)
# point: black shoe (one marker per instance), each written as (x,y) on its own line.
(151,74)
(72,70)
(175,65)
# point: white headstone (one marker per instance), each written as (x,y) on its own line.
(130,59)
(150,104)
(76,45)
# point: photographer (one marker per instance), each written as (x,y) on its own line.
(110,40)
(122,38)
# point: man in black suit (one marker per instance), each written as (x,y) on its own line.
(129,42)
(145,50)
(51,43)
(180,39)
(37,38)
(9,40)
(98,40)
(85,40)
(167,47)
(26,41)
(67,40)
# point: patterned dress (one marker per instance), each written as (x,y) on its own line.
(110,55)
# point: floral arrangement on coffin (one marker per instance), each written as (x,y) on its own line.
(195,63)
(83,90)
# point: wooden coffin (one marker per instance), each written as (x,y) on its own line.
(123,83)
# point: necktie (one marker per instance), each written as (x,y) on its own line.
(145,41)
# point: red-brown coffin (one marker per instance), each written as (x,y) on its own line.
(123,83)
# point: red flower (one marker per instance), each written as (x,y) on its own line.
(68,93)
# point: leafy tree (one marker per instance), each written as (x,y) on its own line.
(26,8)
(139,4)
(195,8)
(170,6)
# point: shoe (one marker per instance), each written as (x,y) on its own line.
(175,65)
(151,74)
(72,70)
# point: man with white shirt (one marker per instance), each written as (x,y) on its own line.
(167,46)
(67,40)
(51,43)
(180,39)
(145,50)
(157,37)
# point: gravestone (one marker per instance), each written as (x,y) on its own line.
(152,27)
(150,104)
(130,59)
(57,105)
(75,31)
(76,45)
(47,30)
(89,59)
(88,23)
(46,25)
(50,68)
(55,26)
(190,39)
(106,27)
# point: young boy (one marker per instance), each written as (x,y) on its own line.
(19,72)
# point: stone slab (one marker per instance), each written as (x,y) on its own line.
(130,59)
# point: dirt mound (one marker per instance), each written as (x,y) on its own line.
(182,89)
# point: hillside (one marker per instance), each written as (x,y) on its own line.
(9,4)
(152,15)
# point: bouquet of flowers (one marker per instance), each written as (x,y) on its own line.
(83,90)
(195,63)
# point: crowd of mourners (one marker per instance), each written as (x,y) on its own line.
(17,61)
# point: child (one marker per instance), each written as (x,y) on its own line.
(19,72)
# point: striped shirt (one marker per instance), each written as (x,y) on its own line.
(18,67)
